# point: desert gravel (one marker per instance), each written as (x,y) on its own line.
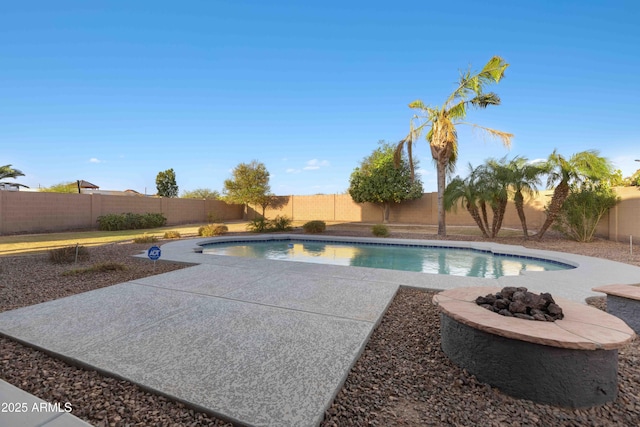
(401,379)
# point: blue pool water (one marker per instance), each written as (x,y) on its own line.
(426,259)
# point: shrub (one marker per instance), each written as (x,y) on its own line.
(279,223)
(583,209)
(380,230)
(172,234)
(67,255)
(145,238)
(258,225)
(211,230)
(152,220)
(130,221)
(314,227)
(261,225)
(213,218)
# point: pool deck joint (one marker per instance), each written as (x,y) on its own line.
(256,342)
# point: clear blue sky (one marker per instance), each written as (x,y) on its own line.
(113,92)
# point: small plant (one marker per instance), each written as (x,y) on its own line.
(145,238)
(104,267)
(172,234)
(314,227)
(211,230)
(279,223)
(68,254)
(258,225)
(380,230)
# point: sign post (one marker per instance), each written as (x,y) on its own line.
(154,253)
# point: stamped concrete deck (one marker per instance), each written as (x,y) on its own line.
(258,342)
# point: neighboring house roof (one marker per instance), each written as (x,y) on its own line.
(86,184)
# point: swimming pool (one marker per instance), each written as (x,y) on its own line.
(407,257)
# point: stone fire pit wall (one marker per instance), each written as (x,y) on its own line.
(623,301)
(571,362)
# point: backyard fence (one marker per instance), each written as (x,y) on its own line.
(32,212)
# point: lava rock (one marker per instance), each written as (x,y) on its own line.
(519,302)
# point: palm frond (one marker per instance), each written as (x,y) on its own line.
(397,153)
(485,99)
(505,137)
(494,69)
(457,111)
(417,104)
(473,84)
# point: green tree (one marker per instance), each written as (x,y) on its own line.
(563,173)
(378,180)
(200,193)
(249,184)
(166,183)
(441,122)
(62,187)
(7,171)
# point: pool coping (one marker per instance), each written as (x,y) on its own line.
(378,242)
(575,284)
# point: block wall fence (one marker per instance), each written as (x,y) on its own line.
(32,212)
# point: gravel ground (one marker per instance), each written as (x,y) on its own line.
(401,379)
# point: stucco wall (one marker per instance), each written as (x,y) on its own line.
(38,212)
(341,208)
(31,212)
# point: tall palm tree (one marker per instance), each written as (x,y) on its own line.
(563,172)
(7,171)
(523,178)
(440,123)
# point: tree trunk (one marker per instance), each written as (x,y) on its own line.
(442,175)
(485,219)
(473,210)
(498,216)
(560,194)
(519,201)
(386,207)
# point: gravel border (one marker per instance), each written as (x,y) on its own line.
(401,379)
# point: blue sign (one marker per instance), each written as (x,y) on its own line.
(154,253)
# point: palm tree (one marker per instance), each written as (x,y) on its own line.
(564,172)
(523,179)
(7,171)
(441,123)
(468,192)
(494,181)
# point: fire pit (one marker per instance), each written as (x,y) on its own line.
(571,362)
